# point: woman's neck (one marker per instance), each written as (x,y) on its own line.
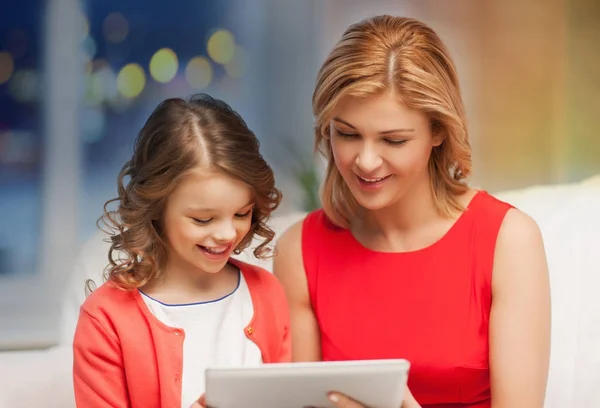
(412,223)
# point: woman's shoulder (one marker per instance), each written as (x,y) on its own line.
(509,226)
(487,210)
(512,219)
(485,201)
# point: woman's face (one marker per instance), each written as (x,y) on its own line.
(381,148)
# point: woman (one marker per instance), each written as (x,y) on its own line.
(405,260)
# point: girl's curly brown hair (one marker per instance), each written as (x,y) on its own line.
(178,137)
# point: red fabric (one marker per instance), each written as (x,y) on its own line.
(430,306)
(125,357)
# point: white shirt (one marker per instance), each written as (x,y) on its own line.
(214,336)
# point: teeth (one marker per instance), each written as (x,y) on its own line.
(375,180)
(215,250)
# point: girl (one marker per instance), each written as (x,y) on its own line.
(405,260)
(175,302)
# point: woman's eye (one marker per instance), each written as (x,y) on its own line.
(345,135)
(395,142)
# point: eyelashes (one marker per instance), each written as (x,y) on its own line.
(208,220)
(244,215)
(395,142)
(352,136)
(202,222)
(345,135)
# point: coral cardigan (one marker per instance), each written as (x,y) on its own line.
(125,357)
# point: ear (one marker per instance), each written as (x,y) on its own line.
(437,139)
(437,134)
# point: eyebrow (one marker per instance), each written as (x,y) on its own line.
(384,132)
(208,210)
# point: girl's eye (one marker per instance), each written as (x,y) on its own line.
(202,222)
(244,215)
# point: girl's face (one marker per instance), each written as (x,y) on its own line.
(204,220)
(381,148)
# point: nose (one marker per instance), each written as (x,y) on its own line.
(225,232)
(368,160)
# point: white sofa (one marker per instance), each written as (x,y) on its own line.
(569,217)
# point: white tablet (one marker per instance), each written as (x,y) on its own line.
(374,383)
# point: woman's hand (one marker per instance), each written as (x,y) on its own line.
(342,401)
(201,403)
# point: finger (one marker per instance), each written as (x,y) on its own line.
(409,400)
(201,403)
(342,401)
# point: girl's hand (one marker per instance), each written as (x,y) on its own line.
(342,401)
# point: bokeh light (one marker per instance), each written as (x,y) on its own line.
(101,86)
(7,66)
(115,28)
(221,46)
(17,147)
(164,65)
(24,86)
(198,73)
(89,48)
(131,80)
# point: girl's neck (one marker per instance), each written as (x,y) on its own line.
(179,285)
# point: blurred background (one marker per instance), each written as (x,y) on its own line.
(79,78)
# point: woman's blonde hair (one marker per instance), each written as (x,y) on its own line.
(178,137)
(404,56)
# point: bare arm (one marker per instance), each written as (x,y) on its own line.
(288,266)
(520,315)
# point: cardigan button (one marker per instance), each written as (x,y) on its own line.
(250,330)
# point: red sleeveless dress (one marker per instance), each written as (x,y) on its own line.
(430,306)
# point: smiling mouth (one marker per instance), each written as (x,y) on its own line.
(373,180)
(215,250)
